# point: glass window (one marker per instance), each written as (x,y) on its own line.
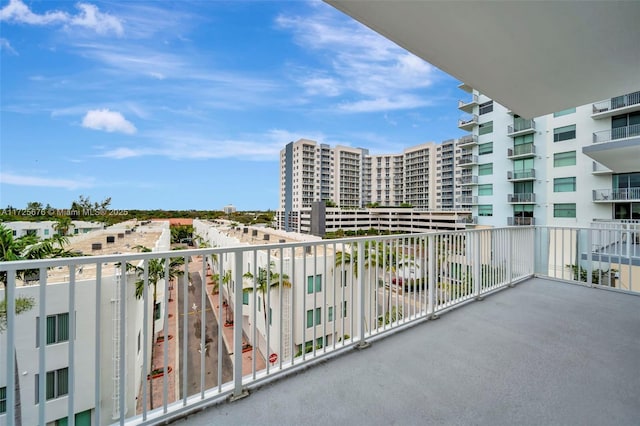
(56,384)
(562,159)
(485,128)
(311,281)
(485,169)
(486,107)
(485,210)
(485,148)
(522,140)
(245,297)
(57,329)
(330,313)
(344,309)
(485,189)
(564,210)
(318,316)
(46,232)
(567,184)
(3,400)
(564,133)
(564,112)
(310,318)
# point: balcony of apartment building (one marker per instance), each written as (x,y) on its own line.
(521,198)
(620,195)
(468,105)
(467,141)
(521,221)
(599,169)
(526,150)
(468,200)
(521,175)
(526,332)
(468,123)
(521,127)
(469,180)
(616,106)
(469,220)
(468,161)
(617,148)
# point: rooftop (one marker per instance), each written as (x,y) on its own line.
(543,352)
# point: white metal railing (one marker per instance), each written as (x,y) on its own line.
(622,194)
(289,304)
(528,197)
(617,133)
(600,256)
(468,159)
(524,149)
(521,221)
(472,101)
(617,102)
(465,121)
(521,174)
(467,140)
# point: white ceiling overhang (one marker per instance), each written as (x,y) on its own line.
(534,57)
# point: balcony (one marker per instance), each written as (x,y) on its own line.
(521,151)
(469,180)
(390,307)
(465,87)
(523,198)
(609,195)
(469,220)
(468,201)
(467,141)
(521,175)
(468,161)
(615,106)
(467,106)
(599,169)
(521,127)
(468,123)
(617,149)
(521,221)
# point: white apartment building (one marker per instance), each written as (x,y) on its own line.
(315,293)
(64,325)
(566,168)
(47,228)
(425,177)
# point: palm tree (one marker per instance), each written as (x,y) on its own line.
(24,248)
(62,225)
(266,280)
(156,272)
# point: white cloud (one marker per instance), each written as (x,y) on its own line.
(47,182)
(107,120)
(6,46)
(377,74)
(88,17)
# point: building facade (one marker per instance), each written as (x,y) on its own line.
(567,168)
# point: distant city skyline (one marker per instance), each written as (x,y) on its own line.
(187,105)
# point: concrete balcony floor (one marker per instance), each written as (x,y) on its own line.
(542,353)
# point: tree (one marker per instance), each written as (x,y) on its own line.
(62,225)
(156,272)
(266,280)
(23,248)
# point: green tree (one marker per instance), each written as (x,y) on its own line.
(266,280)
(156,272)
(27,247)
(62,225)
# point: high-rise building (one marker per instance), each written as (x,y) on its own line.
(425,177)
(567,168)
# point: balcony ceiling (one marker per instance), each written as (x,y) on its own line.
(620,156)
(532,57)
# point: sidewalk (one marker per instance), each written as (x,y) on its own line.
(227,336)
(158,362)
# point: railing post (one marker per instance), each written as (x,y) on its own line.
(238,391)
(10,289)
(589,257)
(361,296)
(510,257)
(476,265)
(431,275)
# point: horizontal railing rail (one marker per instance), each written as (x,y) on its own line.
(627,100)
(607,257)
(276,307)
(617,133)
(623,194)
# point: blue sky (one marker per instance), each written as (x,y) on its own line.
(187,104)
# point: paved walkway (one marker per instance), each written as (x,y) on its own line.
(195,266)
(227,335)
